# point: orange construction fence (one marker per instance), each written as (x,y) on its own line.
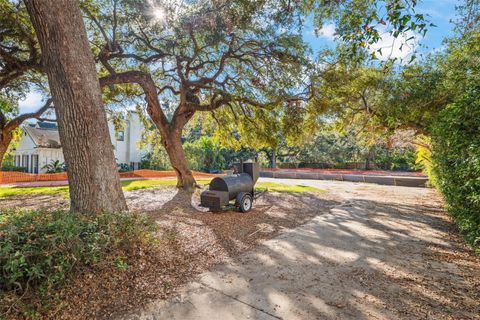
(10,177)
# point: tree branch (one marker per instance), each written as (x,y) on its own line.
(145,81)
(15,122)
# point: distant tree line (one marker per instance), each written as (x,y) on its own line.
(327,149)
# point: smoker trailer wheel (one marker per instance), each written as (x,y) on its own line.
(244,201)
(238,187)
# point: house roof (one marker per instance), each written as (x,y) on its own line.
(44,138)
(46,125)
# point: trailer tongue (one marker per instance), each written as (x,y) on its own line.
(238,187)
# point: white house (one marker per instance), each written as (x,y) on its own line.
(40,144)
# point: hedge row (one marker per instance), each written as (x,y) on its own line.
(456,161)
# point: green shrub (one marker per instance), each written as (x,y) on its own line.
(39,250)
(157,159)
(55,166)
(456,161)
(204,155)
(123,167)
(395,159)
(11,167)
(423,159)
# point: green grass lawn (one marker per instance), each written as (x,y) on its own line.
(63,190)
(15,191)
(280,187)
(144,184)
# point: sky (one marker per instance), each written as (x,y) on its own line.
(440,12)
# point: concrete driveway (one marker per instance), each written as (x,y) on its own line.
(378,252)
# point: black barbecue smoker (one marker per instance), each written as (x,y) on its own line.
(238,186)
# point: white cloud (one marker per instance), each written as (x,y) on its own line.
(327,31)
(400,48)
(33,101)
(439,49)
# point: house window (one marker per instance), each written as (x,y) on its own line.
(25,162)
(120,135)
(35,163)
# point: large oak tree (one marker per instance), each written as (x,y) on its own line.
(235,58)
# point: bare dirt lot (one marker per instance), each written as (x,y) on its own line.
(357,251)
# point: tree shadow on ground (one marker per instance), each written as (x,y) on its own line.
(237,231)
(361,258)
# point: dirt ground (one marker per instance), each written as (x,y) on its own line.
(357,251)
(191,241)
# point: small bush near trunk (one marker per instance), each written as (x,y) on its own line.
(40,250)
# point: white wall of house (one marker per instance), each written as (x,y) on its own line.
(23,155)
(26,143)
(126,150)
(47,155)
(125,142)
(28,154)
(136,128)
(118,142)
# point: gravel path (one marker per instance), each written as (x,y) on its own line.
(373,252)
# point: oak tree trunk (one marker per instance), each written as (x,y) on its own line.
(273,159)
(6,137)
(92,174)
(173,145)
(4,143)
